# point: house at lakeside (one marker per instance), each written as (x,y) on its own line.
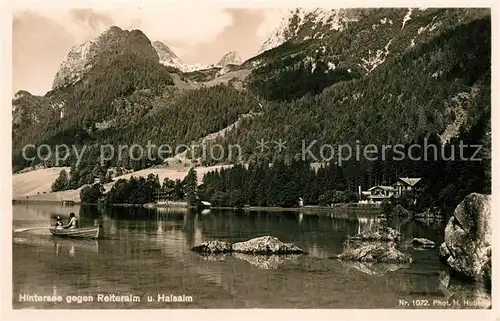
(403,185)
(406,184)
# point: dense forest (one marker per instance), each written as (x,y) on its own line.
(447,177)
(448,174)
(276,184)
(140,190)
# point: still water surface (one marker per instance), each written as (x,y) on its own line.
(146,253)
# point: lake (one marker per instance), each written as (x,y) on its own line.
(144,261)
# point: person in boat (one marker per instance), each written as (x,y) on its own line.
(59,222)
(73,221)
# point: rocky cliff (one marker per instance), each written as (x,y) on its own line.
(112,41)
(231,58)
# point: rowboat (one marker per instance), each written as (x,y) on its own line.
(81,232)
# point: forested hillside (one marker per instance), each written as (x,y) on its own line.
(439,91)
(318,55)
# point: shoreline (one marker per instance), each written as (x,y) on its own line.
(352,206)
(295,209)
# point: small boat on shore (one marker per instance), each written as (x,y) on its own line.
(81,232)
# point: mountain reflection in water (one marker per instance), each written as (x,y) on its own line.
(146,251)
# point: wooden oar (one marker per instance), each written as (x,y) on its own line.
(31,228)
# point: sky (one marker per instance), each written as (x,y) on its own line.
(198,34)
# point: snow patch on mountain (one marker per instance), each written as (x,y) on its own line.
(278,35)
(407,17)
(294,20)
(431,26)
(435,26)
(370,63)
(437,73)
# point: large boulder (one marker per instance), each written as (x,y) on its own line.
(467,241)
(375,253)
(379,233)
(212,247)
(265,245)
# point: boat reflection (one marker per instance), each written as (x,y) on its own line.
(72,247)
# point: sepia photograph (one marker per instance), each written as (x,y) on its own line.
(287,157)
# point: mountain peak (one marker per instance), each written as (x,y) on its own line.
(113,30)
(297,23)
(112,41)
(22,93)
(169,58)
(164,52)
(231,58)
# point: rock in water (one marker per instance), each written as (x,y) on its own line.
(467,241)
(380,233)
(212,247)
(265,245)
(424,243)
(376,253)
(260,245)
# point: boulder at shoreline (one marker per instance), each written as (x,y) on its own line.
(467,242)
